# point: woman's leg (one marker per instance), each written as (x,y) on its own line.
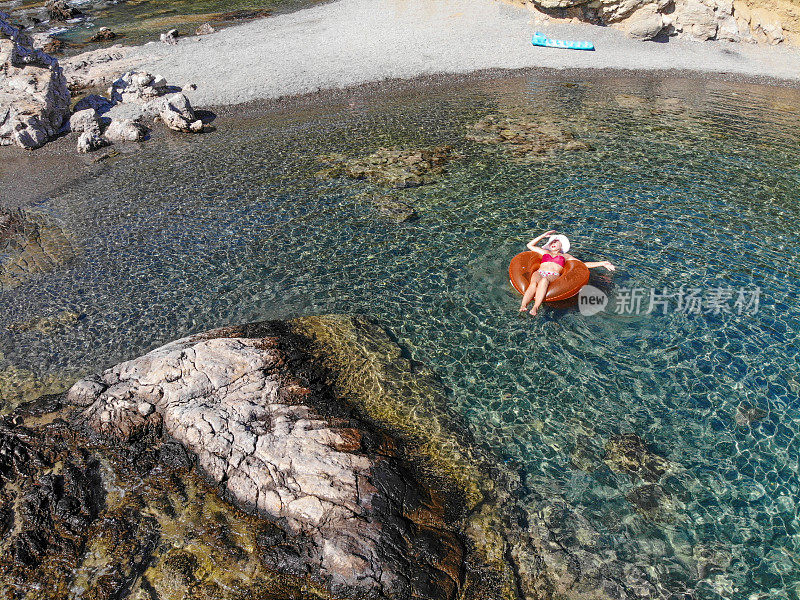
(541,290)
(530,291)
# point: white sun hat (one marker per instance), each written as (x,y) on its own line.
(561,238)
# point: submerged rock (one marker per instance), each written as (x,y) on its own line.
(747,414)
(628,453)
(393,208)
(20,386)
(30,244)
(392,167)
(34,99)
(49,324)
(525,137)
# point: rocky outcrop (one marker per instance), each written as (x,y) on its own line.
(331,467)
(98,68)
(34,100)
(360,520)
(775,22)
(104,34)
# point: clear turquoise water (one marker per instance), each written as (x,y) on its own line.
(693,183)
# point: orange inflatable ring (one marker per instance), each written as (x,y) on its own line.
(573,277)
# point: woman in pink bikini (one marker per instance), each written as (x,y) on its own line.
(554,257)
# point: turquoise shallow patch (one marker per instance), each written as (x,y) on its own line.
(541,40)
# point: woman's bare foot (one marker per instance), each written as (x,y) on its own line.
(533,311)
(523,308)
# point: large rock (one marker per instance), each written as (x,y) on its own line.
(646,23)
(125,130)
(359,520)
(177,114)
(99,68)
(34,99)
(84,120)
(137,86)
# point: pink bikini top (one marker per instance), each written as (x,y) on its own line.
(556,259)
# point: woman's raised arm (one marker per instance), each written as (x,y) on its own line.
(532,244)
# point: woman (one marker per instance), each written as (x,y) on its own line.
(554,258)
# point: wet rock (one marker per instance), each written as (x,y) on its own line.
(204,29)
(30,244)
(125,130)
(104,34)
(50,497)
(178,115)
(49,324)
(59,10)
(628,453)
(392,167)
(747,414)
(84,120)
(525,137)
(91,140)
(34,100)
(357,519)
(170,37)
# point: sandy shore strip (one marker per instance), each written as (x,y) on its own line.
(350,42)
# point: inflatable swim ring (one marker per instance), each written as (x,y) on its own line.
(573,277)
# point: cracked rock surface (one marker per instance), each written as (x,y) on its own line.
(361,521)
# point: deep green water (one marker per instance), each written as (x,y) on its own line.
(693,184)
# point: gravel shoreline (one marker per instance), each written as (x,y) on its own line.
(351,42)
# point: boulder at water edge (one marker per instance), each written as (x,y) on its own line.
(359,520)
(34,99)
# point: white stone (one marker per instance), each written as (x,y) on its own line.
(125,130)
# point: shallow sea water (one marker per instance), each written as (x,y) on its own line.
(693,183)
